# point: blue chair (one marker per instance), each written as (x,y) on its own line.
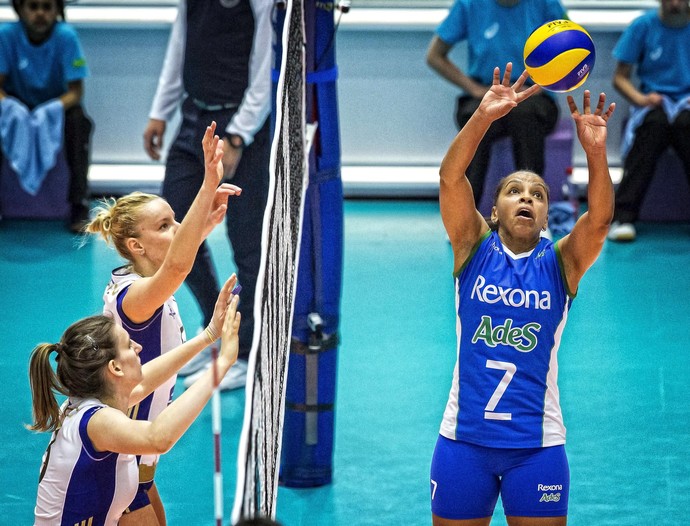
(668,195)
(51,201)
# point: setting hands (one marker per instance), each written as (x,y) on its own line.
(224,298)
(591,127)
(502,97)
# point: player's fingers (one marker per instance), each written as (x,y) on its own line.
(609,112)
(586,102)
(507,74)
(572,106)
(520,81)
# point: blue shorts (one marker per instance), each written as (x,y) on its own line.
(141,499)
(467,479)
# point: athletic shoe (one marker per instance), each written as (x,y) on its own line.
(622,232)
(200,361)
(235,378)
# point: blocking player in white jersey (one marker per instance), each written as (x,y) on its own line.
(502,431)
(89,473)
(160,253)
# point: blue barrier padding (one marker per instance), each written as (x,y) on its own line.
(308,425)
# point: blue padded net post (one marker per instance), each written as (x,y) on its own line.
(308,426)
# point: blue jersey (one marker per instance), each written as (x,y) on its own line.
(511,311)
(661,53)
(79,485)
(37,74)
(495,34)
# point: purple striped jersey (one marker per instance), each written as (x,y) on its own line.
(77,484)
(159,334)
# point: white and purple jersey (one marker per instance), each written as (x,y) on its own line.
(77,484)
(511,311)
(159,334)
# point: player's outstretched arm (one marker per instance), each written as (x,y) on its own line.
(110,429)
(147,294)
(464,224)
(582,246)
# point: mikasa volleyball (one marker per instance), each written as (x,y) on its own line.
(559,55)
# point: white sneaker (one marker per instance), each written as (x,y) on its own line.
(200,361)
(622,232)
(235,378)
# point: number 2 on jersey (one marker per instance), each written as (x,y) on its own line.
(509,369)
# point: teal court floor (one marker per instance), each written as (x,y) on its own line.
(624,373)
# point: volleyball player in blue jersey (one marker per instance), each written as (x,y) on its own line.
(502,431)
(89,473)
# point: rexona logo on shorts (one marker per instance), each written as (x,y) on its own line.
(510,297)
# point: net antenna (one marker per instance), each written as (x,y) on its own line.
(258,461)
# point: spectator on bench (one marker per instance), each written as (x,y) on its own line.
(41,61)
(657,44)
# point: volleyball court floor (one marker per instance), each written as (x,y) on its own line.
(624,370)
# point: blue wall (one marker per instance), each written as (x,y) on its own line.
(125,63)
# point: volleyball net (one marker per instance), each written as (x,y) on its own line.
(258,460)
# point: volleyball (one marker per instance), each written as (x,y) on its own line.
(559,56)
